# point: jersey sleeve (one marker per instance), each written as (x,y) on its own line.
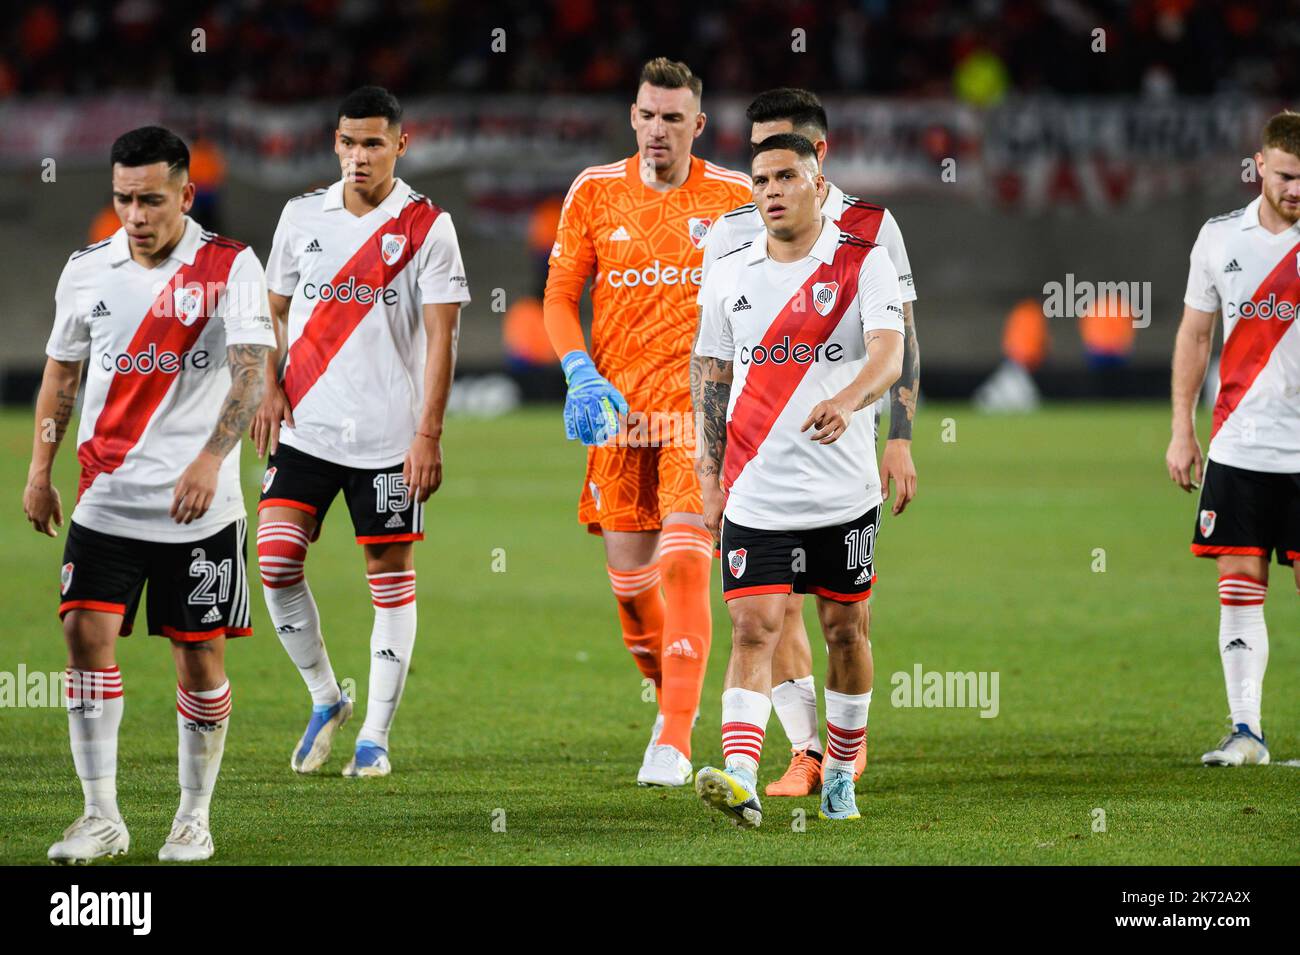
(574,251)
(1201,293)
(282,264)
(243,307)
(715,339)
(442,276)
(70,337)
(879,302)
(891,237)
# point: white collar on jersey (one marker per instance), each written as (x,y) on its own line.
(823,249)
(392,204)
(1250,218)
(834,204)
(120,250)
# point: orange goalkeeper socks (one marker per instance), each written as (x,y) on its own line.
(685,563)
(641,612)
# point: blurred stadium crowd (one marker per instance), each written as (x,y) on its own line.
(287,50)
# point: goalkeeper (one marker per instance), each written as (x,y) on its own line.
(638,226)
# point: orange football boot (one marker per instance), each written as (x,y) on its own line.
(803,777)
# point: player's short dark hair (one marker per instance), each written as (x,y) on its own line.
(801,107)
(670,75)
(148,145)
(801,146)
(1283,132)
(367,101)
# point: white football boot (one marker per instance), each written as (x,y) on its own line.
(189,841)
(90,838)
(665,766)
(1241,747)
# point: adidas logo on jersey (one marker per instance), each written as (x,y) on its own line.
(313,246)
(1232,267)
(620,235)
(395,521)
(212,616)
(742,303)
(863,578)
(100,310)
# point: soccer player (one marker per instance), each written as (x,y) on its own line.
(800,328)
(174,323)
(1245,264)
(367,277)
(639,225)
(794,694)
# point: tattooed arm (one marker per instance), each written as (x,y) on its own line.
(884,359)
(896,462)
(58,396)
(198,485)
(711,412)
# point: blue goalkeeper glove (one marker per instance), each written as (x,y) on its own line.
(592,406)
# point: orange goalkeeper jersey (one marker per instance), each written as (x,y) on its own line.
(645,249)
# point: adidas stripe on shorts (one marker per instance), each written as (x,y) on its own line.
(383,510)
(837,561)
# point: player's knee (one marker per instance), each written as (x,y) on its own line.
(200,664)
(754,629)
(281,553)
(91,641)
(846,634)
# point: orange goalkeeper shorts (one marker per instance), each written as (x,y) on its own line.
(635,488)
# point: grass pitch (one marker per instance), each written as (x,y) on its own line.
(523,724)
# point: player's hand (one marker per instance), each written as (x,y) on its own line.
(896,465)
(196,488)
(43,507)
(592,406)
(264,429)
(715,501)
(1184,461)
(422,469)
(830,418)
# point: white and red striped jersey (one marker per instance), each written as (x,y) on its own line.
(1253,277)
(355,371)
(156,343)
(856,216)
(795,333)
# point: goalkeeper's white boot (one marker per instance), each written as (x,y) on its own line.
(664,765)
(1241,747)
(654,738)
(189,841)
(88,839)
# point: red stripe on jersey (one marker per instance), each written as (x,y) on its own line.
(134,397)
(1252,341)
(768,387)
(862,219)
(331,323)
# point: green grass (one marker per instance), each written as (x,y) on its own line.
(522,697)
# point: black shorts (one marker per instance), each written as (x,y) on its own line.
(835,561)
(1248,512)
(197,589)
(383,510)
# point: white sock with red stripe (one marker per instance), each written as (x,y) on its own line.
(1243,646)
(391,643)
(846,728)
(744,722)
(281,551)
(202,717)
(94,702)
(795,702)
